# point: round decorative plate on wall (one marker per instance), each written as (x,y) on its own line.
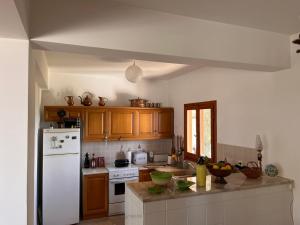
(271,170)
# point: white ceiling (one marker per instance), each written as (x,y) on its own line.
(74,64)
(11,25)
(282,16)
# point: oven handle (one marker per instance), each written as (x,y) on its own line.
(122,180)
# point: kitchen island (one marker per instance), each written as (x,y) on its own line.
(264,201)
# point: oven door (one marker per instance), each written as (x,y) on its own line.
(117,189)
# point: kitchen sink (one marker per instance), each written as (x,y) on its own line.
(177,172)
(180,170)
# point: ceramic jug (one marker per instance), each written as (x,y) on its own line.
(69,100)
(102,101)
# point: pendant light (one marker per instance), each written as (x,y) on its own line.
(133,73)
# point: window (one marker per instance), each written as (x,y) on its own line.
(200,127)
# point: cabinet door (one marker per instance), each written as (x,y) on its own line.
(74,113)
(94,125)
(122,123)
(146,123)
(95,196)
(50,113)
(144,175)
(164,123)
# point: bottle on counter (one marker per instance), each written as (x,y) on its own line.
(87,161)
(78,122)
(201,172)
(93,161)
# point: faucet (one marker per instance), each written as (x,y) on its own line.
(189,163)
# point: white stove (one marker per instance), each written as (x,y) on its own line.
(122,172)
(118,177)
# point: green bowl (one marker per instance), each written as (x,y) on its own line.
(183,185)
(156,189)
(160,178)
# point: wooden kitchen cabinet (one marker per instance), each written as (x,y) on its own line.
(95,196)
(156,123)
(122,124)
(118,123)
(94,125)
(147,124)
(75,113)
(144,175)
(165,123)
(50,112)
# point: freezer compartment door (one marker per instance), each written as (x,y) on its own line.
(61,142)
(61,189)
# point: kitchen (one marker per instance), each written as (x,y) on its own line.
(111,127)
(124,139)
(242,55)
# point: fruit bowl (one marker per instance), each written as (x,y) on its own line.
(160,178)
(220,171)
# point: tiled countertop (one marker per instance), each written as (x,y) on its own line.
(235,182)
(90,171)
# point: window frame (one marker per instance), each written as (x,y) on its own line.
(198,106)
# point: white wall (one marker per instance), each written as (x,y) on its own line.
(250,103)
(115,87)
(110,25)
(38,80)
(13,131)
(242,96)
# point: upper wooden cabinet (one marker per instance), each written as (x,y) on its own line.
(165,122)
(122,123)
(119,123)
(94,124)
(50,112)
(156,123)
(146,124)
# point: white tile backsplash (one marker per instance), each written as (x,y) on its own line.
(110,149)
(235,154)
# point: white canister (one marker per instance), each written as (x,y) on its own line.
(169,160)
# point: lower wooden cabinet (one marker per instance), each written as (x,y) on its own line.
(144,175)
(95,196)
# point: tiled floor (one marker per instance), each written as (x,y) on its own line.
(113,220)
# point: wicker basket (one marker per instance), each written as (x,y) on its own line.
(252,170)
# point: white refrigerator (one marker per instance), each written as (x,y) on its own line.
(61,176)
